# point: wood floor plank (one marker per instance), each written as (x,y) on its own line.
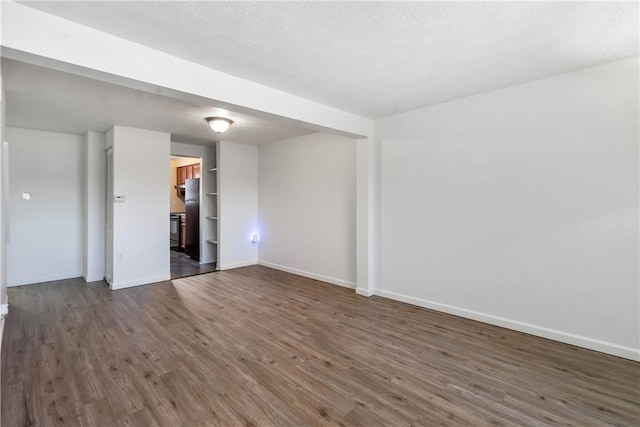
(260,347)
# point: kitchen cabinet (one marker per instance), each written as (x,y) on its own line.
(182,175)
(185,173)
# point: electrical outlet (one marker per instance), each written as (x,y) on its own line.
(120,257)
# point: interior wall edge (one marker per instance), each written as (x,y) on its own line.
(366,292)
(140,282)
(310,275)
(238,265)
(90,279)
(43,279)
(539,331)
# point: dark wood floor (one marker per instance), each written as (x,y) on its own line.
(183,266)
(258,347)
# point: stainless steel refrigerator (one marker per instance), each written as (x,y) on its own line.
(192,218)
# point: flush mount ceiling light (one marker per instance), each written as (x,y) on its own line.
(219,124)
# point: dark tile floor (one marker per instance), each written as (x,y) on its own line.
(182,266)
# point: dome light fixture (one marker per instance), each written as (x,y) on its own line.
(219,124)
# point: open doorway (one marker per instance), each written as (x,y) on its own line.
(184,218)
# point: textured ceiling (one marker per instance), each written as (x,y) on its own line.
(44,99)
(374,58)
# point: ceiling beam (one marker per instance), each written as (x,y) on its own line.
(32,36)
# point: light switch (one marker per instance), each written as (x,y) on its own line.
(26,196)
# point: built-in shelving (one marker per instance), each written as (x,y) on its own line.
(212,202)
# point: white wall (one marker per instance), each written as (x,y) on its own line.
(367,214)
(177,204)
(307,207)
(238,208)
(109,181)
(32,36)
(141,223)
(519,207)
(45,232)
(93,266)
(4,205)
(208,228)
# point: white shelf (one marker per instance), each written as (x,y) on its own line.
(212,242)
(212,217)
(213,169)
(212,194)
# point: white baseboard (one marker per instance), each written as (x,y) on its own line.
(365,292)
(332,280)
(565,337)
(4,312)
(237,265)
(139,282)
(90,279)
(1,332)
(45,278)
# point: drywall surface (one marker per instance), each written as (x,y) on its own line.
(108,268)
(307,207)
(4,198)
(94,207)
(519,207)
(28,34)
(46,231)
(208,183)
(238,204)
(177,203)
(187,160)
(141,223)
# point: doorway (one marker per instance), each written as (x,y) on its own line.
(184,218)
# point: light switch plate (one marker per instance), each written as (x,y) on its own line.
(119,199)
